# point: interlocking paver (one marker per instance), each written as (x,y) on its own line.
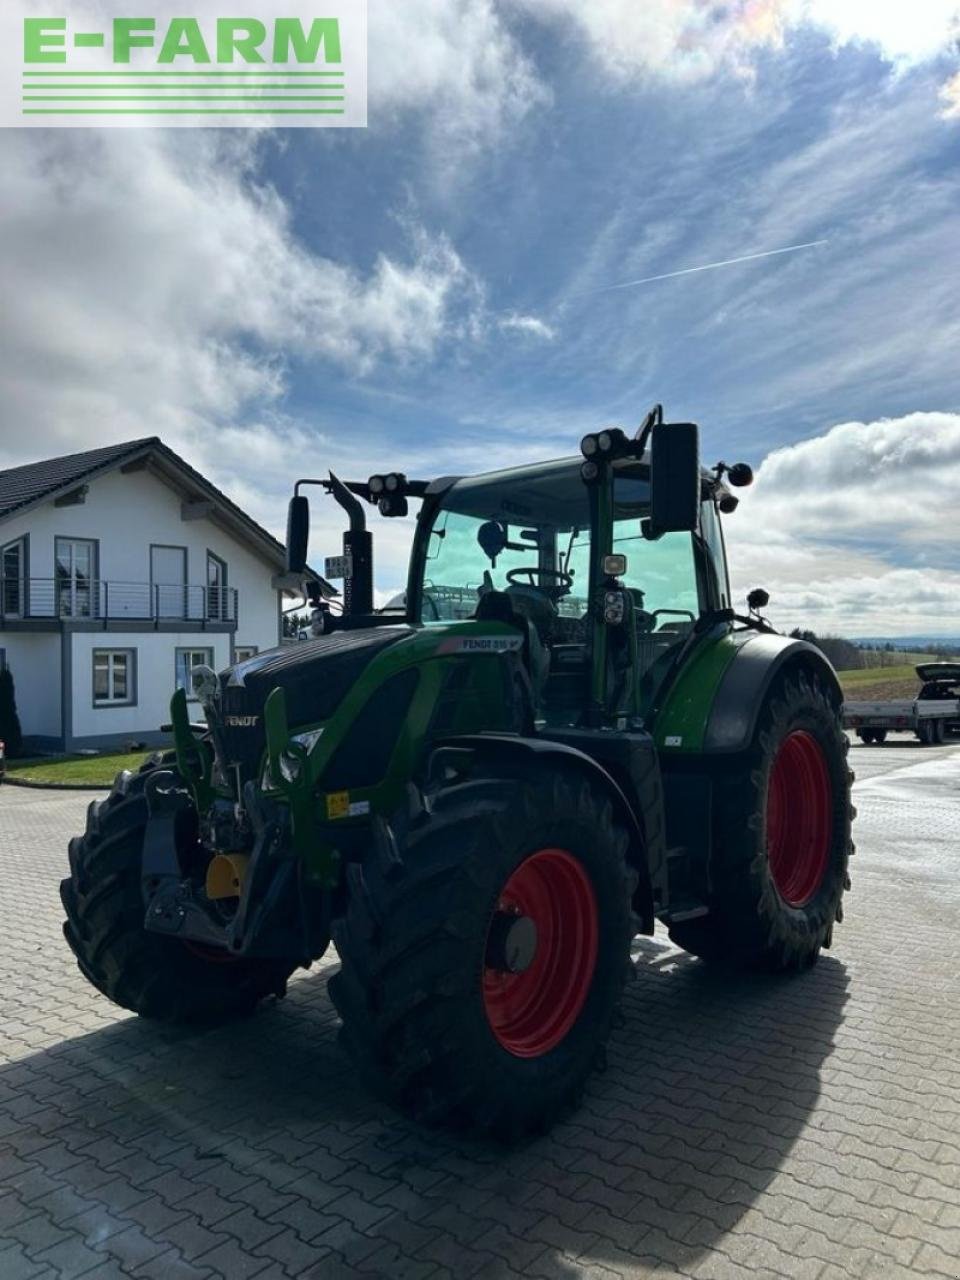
(291,1252)
(745,1127)
(16,1265)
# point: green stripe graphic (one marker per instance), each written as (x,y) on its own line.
(168,89)
(183,97)
(184,73)
(184,111)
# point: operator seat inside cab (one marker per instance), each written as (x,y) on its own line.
(501,606)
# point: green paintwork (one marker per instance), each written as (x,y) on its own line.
(194,758)
(429,650)
(685,713)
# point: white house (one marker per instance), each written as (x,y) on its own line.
(120,569)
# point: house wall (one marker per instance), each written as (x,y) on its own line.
(128,512)
(34,661)
(155,681)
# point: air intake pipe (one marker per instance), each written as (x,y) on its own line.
(358,545)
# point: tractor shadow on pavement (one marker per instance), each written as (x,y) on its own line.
(710,1082)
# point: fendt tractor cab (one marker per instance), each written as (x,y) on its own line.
(565,735)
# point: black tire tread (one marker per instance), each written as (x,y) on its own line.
(748,922)
(151,975)
(403,991)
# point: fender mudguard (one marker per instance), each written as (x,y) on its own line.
(742,690)
(499,745)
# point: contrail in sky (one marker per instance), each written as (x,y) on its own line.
(709,266)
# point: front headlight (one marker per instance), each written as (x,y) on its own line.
(290,765)
(307,740)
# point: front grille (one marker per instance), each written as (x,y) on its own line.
(315,675)
(244,743)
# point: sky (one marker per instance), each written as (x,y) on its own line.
(440,293)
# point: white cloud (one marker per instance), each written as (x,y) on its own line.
(458,62)
(688,40)
(904,32)
(950,97)
(159,287)
(855,531)
(532,326)
(671,39)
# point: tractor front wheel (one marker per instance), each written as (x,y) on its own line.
(781,838)
(155,976)
(483,960)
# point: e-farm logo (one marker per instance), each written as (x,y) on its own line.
(133,62)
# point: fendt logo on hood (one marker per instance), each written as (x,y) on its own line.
(240,722)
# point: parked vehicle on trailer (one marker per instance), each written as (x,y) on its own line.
(482,812)
(931,715)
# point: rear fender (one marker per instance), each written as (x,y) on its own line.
(497,746)
(758,663)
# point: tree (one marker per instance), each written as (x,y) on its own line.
(293,622)
(10,732)
(844,654)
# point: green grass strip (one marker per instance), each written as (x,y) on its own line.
(83,769)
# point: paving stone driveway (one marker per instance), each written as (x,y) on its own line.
(807,1127)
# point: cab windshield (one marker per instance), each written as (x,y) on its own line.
(530,531)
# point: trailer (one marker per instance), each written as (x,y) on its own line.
(932,715)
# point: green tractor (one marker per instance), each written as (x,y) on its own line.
(560,735)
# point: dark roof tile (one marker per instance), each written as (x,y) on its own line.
(21,486)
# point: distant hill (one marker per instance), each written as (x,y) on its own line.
(919,642)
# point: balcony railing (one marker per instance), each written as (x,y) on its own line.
(26,599)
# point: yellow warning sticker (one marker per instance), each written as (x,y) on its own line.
(338,804)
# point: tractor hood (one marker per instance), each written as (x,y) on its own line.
(315,675)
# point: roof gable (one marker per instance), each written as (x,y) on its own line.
(22,488)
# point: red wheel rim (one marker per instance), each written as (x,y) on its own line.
(531,1012)
(799,818)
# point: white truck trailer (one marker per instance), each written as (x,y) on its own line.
(931,715)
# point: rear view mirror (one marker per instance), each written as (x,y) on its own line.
(674,478)
(298,533)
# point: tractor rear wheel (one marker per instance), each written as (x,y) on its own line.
(781,839)
(484,959)
(155,976)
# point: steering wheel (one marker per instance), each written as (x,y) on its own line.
(560,579)
(676,613)
(679,613)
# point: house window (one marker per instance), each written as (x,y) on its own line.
(187,659)
(12,560)
(168,583)
(75,571)
(217,606)
(242,652)
(114,678)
